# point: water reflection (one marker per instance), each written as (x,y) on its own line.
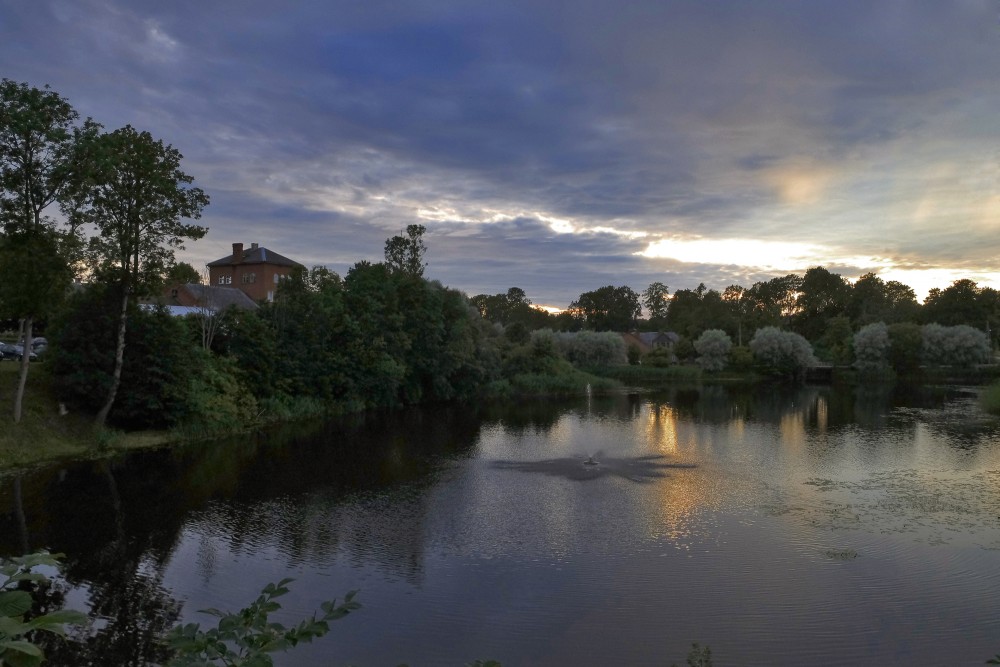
(422,506)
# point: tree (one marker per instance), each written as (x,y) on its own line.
(39,136)
(608,308)
(713,349)
(656,299)
(406,253)
(822,295)
(957,304)
(872,348)
(137,197)
(183,273)
(781,352)
(740,304)
(874,300)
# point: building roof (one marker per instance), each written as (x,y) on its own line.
(256,255)
(220,298)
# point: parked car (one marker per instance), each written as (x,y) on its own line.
(15,352)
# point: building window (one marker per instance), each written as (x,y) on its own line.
(276,278)
(222,280)
(249,278)
(270,296)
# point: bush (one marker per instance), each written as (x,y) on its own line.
(741,358)
(634,354)
(591,348)
(713,349)
(959,345)
(906,342)
(781,353)
(660,357)
(871,348)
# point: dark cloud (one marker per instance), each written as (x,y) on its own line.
(330,126)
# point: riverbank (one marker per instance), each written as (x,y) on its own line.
(48,433)
(45,433)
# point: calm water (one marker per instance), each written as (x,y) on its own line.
(780,527)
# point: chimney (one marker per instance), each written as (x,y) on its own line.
(237,253)
(253,246)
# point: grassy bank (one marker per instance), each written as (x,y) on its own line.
(46,435)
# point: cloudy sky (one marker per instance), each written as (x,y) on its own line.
(560,145)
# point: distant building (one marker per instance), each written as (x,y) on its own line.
(207,297)
(256,272)
(647,341)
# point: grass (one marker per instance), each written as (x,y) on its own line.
(43,434)
(675,373)
(989,399)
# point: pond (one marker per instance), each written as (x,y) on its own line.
(779,526)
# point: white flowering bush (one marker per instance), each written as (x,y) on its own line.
(871,348)
(960,345)
(781,352)
(713,347)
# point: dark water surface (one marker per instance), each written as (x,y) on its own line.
(778,526)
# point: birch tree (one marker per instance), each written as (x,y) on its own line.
(39,135)
(138,199)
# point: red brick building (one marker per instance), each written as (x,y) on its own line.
(256,271)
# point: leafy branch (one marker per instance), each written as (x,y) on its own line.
(247,637)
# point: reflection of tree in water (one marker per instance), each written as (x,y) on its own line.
(117,530)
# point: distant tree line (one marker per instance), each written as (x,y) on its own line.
(382,335)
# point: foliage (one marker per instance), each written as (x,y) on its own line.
(248,637)
(989,399)
(959,345)
(182,273)
(17,649)
(906,344)
(822,295)
(871,348)
(608,308)
(136,196)
(591,348)
(740,358)
(781,353)
(659,357)
(656,299)
(405,254)
(699,656)
(158,364)
(713,349)
(511,307)
(217,401)
(633,354)
(836,345)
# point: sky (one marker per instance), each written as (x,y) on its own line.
(559,145)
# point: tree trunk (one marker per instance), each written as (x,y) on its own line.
(102,415)
(22,381)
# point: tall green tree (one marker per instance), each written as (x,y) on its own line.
(656,299)
(608,308)
(822,295)
(406,253)
(39,134)
(138,199)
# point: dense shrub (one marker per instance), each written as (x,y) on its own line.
(960,345)
(781,353)
(740,358)
(591,348)
(871,348)
(158,365)
(713,349)
(906,343)
(659,357)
